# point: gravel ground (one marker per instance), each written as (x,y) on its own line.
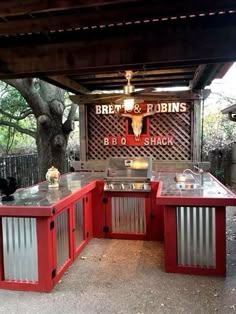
(124,276)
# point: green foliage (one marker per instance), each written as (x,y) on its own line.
(218,131)
(13,104)
(14,110)
(11,100)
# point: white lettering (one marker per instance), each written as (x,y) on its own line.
(111,109)
(150,107)
(175,107)
(106,141)
(163,107)
(146,141)
(157,108)
(123,141)
(164,140)
(152,141)
(98,109)
(114,141)
(170,141)
(183,107)
(137,108)
(104,109)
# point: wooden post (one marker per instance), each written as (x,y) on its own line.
(196,130)
(83,132)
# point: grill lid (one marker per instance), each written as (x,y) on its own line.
(128,174)
(130,169)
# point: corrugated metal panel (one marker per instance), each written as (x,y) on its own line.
(79,223)
(62,237)
(196,236)
(20,251)
(128,215)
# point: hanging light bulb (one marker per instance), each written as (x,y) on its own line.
(129,104)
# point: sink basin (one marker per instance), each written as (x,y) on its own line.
(184,177)
(188,185)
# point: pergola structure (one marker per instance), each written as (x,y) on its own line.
(85,45)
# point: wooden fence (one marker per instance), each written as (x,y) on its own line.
(23,167)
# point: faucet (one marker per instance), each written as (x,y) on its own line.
(200,173)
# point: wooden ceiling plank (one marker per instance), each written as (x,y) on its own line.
(141,11)
(16,7)
(138,73)
(172,49)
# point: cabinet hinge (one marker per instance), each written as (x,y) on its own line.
(152,216)
(104,200)
(52,225)
(53,273)
(105,229)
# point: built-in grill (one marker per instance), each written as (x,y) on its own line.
(128,174)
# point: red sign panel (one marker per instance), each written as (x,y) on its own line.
(144,140)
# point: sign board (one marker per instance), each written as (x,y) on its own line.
(137,124)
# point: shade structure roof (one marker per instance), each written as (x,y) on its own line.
(84,46)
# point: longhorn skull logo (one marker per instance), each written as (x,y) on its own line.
(137,122)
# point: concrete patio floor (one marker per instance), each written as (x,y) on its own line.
(123,276)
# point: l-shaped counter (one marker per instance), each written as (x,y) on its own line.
(44,229)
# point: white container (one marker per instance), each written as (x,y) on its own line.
(52,177)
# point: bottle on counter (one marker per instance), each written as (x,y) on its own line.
(52,177)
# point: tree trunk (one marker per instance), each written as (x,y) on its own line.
(51,144)
(47,104)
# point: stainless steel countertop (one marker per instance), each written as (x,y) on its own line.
(41,195)
(210,188)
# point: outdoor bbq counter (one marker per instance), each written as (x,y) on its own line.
(194,224)
(43,230)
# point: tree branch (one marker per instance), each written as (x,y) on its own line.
(18,128)
(72,112)
(17,118)
(68,125)
(228,98)
(31,95)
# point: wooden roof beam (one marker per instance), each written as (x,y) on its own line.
(145,73)
(93,99)
(204,75)
(67,84)
(136,80)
